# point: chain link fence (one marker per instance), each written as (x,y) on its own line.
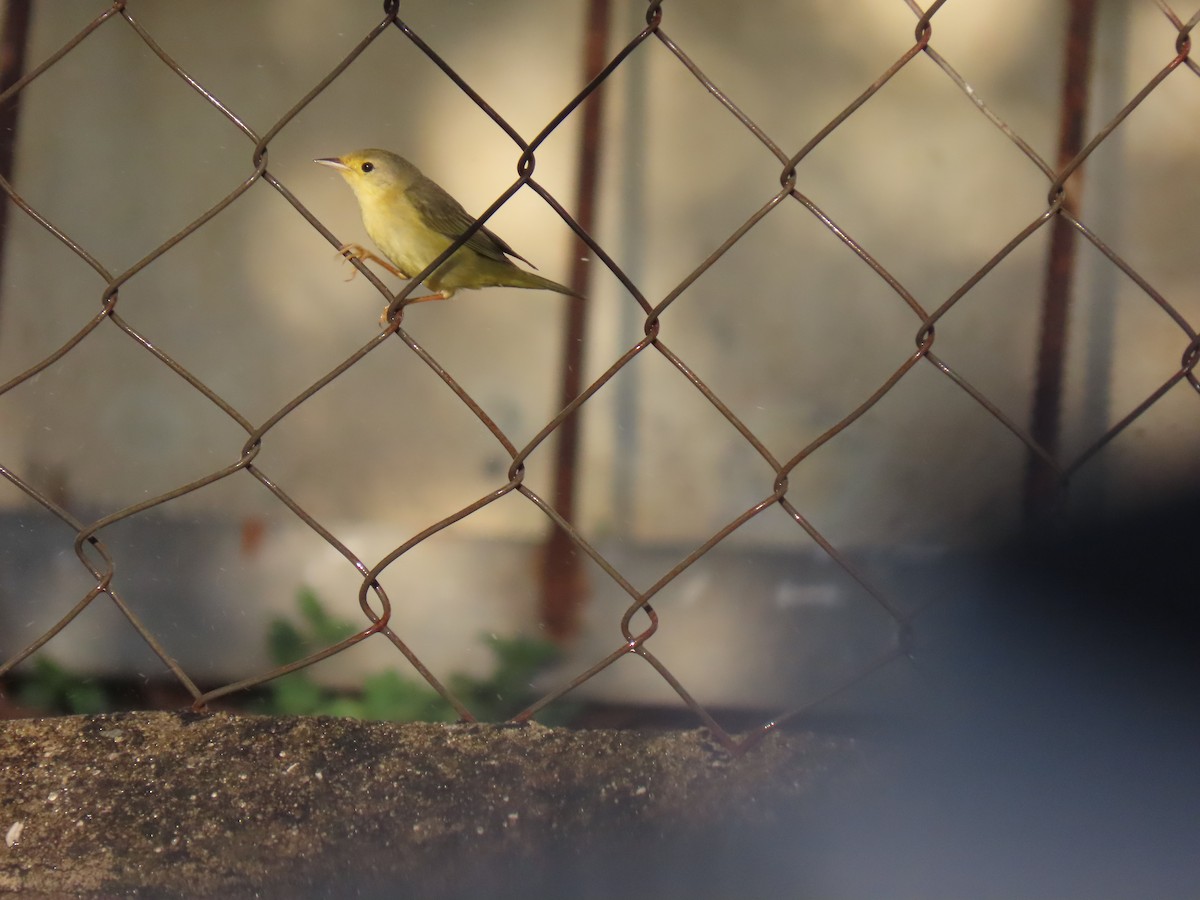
(669,348)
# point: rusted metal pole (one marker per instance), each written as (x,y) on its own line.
(1041,482)
(564,586)
(13,40)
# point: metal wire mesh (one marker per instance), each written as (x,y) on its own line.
(638,622)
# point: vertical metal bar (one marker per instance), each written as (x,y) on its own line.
(1105,215)
(1041,483)
(563,584)
(631,244)
(13,41)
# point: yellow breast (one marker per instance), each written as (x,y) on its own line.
(399,231)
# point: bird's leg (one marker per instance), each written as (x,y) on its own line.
(440,295)
(358,251)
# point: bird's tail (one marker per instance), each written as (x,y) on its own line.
(521,278)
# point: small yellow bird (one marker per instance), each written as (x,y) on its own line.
(413,220)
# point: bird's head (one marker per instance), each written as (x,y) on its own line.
(371,173)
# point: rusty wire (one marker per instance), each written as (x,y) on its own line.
(639,621)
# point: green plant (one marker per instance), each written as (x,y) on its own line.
(390,696)
(52,688)
(509,689)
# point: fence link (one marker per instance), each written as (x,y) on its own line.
(637,623)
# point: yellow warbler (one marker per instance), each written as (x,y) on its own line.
(412,220)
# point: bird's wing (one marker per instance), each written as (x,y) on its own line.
(445,215)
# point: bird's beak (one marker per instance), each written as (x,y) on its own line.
(333,162)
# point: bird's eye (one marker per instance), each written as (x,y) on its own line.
(368,167)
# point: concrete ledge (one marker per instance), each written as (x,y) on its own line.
(208,805)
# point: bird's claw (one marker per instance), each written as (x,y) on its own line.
(350,252)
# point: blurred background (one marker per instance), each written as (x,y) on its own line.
(789,328)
